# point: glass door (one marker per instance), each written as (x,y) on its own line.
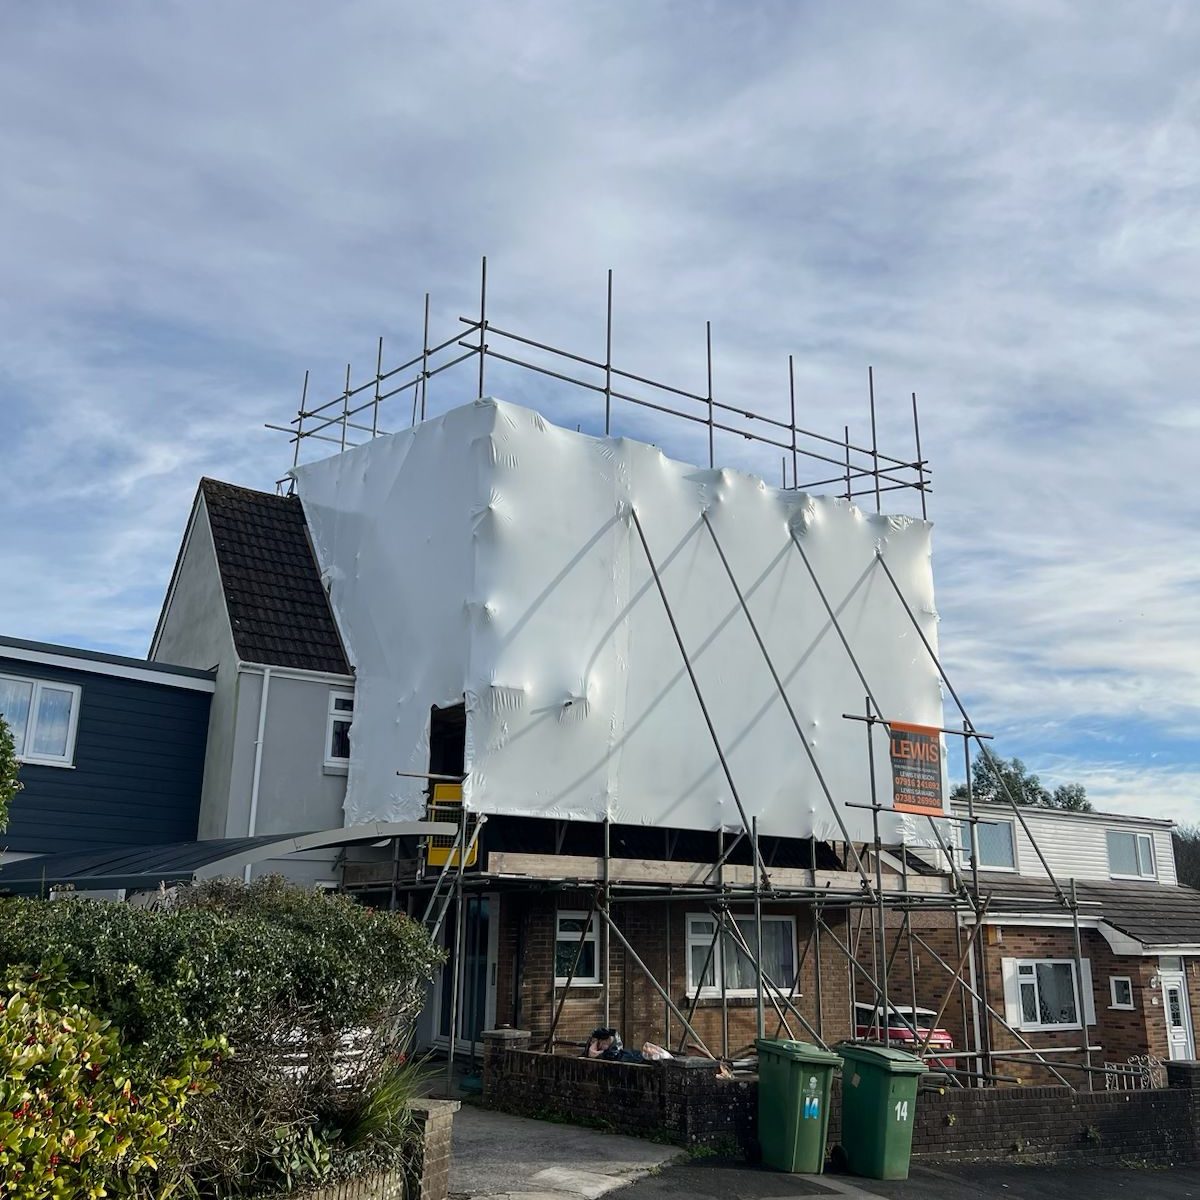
(476,1007)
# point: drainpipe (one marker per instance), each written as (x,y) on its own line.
(252,824)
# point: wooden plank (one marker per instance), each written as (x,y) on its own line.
(681,874)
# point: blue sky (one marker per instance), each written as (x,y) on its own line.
(994,204)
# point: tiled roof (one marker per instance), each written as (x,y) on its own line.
(277,606)
(1154,914)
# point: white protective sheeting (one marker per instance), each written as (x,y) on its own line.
(491,555)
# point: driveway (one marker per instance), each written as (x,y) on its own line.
(512,1158)
(711,1179)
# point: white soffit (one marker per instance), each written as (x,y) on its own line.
(490,554)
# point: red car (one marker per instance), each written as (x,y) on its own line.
(900,1029)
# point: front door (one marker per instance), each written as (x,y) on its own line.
(1175,1011)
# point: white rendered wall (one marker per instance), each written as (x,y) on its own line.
(490,554)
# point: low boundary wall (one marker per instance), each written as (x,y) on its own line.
(684,1102)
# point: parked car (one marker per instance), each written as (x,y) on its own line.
(869,1028)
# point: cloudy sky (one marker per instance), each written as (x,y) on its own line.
(994,204)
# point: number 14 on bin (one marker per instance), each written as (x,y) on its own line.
(901,1110)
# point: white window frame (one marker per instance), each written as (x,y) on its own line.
(333,713)
(704,940)
(1137,839)
(1012,831)
(572,937)
(1113,980)
(29,733)
(1038,1027)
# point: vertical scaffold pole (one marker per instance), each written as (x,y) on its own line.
(874,438)
(378,381)
(886,1015)
(1080,983)
(708,354)
(758,933)
(300,421)
(482,321)
(608,362)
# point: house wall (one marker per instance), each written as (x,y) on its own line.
(1074,844)
(1119,1034)
(195,633)
(658,933)
(136,778)
(297,792)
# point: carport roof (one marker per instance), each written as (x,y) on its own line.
(148,866)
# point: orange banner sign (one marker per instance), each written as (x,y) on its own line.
(916,769)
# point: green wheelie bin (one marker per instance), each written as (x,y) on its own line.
(793,1104)
(879,1103)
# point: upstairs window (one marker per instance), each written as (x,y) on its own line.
(997,851)
(337,730)
(42,716)
(1130,855)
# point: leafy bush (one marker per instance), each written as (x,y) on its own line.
(315,995)
(73,1121)
(221,957)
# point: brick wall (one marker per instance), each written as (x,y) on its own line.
(681,1101)
(689,1105)
(429,1170)
(526,996)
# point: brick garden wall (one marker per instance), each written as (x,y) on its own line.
(687,1104)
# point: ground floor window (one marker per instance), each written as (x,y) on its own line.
(708,964)
(1044,993)
(1120,988)
(566,945)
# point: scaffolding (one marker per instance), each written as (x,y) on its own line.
(863,890)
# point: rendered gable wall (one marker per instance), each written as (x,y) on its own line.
(490,554)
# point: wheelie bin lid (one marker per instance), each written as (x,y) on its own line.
(799,1051)
(883,1058)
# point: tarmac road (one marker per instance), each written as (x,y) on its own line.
(714,1179)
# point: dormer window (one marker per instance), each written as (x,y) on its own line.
(1130,855)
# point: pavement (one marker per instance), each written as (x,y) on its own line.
(512,1158)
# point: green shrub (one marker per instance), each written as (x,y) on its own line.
(223,956)
(314,994)
(74,1121)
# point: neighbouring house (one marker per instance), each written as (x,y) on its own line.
(1139,934)
(111,749)
(246,603)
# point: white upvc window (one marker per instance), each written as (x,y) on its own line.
(997,845)
(1044,993)
(43,716)
(1120,990)
(728,961)
(337,728)
(1130,855)
(569,930)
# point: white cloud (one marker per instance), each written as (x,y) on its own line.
(994,204)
